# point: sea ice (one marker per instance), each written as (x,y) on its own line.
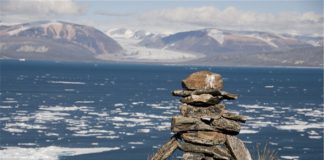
(47,153)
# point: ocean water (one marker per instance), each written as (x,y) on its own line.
(81,111)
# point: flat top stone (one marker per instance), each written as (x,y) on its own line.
(203,80)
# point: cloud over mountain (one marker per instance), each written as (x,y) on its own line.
(20,11)
(43,7)
(234,18)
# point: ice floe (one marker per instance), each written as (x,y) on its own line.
(66,82)
(119,105)
(59,108)
(144,130)
(255,106)
(300,126)
(290,157)
(136,143)
(84,102)
(5,107)
(245,131)
(48,153)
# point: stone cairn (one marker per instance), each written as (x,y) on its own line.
(204,130)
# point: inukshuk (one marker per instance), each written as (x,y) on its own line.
(205,130)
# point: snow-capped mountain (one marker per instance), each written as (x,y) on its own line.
(213,41)
(128,34)
(48,40)
(226,47)
(54,40)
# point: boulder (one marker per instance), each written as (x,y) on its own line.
(203,80)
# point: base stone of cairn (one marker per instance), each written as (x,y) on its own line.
(205,130)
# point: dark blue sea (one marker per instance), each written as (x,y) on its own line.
(87,111)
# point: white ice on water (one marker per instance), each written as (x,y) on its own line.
(47,153)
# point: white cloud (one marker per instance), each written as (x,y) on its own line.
(17,11)
(233,18)
(43,7)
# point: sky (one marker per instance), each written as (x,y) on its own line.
(303,17)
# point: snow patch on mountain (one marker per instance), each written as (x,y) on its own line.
(141,34)
(52,23)
(217,35)
(17,30)
(315,43)
(267,40)
(26,26)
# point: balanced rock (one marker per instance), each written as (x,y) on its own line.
(203,80)
(205,130)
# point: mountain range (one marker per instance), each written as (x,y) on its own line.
(214,41)
(48,40)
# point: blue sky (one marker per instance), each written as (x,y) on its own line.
(293,17)
(260,6)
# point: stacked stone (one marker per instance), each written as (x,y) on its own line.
(205,130)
